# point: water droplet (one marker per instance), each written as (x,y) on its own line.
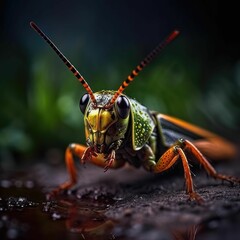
(56,216)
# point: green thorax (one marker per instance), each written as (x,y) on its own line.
(142,124)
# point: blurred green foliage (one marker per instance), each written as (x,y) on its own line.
(39,109)
(222,99)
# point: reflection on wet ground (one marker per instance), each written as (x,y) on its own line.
(74,218)
(83,216)
(66,217)
(150,208)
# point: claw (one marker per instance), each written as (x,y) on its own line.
(196,197)
(56,191)
(87,155)
(53,194)
(109,160)
(82,161)
(109,163)
(232,180)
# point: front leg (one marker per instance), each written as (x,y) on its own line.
(87,155)
(84,154)
(73,149)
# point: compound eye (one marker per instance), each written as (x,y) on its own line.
(84,102)
(123,106)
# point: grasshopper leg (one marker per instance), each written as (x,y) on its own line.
(177,151)
(72,149)
(190,147)
(82,153)
(168,159)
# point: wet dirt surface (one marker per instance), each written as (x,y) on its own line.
(119,204)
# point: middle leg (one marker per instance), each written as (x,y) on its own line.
(168,159)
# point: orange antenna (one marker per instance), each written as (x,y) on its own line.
(66,62)
(143,64)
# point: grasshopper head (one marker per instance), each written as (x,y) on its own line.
(105,127)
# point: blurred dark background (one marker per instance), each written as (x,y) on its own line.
(196,78)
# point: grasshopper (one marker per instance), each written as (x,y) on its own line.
(119,129)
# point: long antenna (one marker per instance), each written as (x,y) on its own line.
(143,64)
(66,62)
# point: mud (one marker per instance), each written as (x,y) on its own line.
(119,204)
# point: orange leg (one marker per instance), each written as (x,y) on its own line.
(83,153)
(188,146)
(168,159)
(72,149)
(178,151)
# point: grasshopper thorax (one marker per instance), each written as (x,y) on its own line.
(105,127)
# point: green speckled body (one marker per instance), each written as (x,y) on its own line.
(133,138)
(142,124)
(140,138)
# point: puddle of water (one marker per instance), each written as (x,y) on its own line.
(68,216)
(84,216)
(25,214)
